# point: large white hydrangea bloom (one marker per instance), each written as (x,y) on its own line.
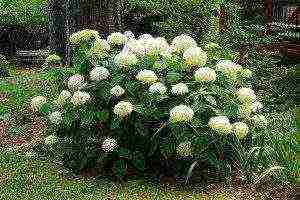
(246,95)
(229,68)
(117,38)
(80,98)
(100,48)
(99,73)
(117,91)
(158,88)
(184,149)
(240,129)
(76,82)
(220,124)
(130,35)
(63,97)
(181,113)
(195,56)
(205,74)
(83,35)
(126,59)
(147,76)
(109,145)
(182,42)
(37,103)
(123,109)
(51,140)
(56,117)
(179,89)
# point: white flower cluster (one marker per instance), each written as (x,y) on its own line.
(84,35)
(129,35)
(80,98)
(184,149)
(181,113)
(220,124)
(100,48)
(228,67)
(195,56)
(246,95)
(158,88)
(63,97)
(117,91)
(99,73)
(76,82)
(240,129)
(37,103)
(126,59)
(51,140)
(179,89)
(147,76)
(109,145)
(182,42)
(56,117)
(117,38)
(145,36)
(205,74)
(123,109)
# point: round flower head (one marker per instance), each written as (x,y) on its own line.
(145,36)
(259,120)
(256,106)
(82,36)
(100,48)
(129,35)
(53,59)
(205,74)
(55,117)
(109,145)
(179,89)
(247,73)
(51,140)
(184,149)
(116,38)
(181,113)
(182,42)
(125,59)
(76,82)
(158,88)
(195,56)
(246,95)
(220,124)
(80,98)
(147,76)
(117,91)
(161,45)
(228,67)
(99,73)
(123,109)
(240,129)
(63,97)
(37,103)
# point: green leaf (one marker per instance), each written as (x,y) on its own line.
(115,124)
(120,168)
(173,77)
(124,153)
(139,164)
(45,109)
(102,115)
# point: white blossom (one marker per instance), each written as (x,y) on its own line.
(147,76)
(83,35)
(182,42)
(205,74)
(80,98)
(76,82)
(246,95)
(117,91)
(56,117)
(228,67)
(117,38)
(123,109)
(125,59)
(158,88)
(145,36)
(184,149)
(220,124)
(181,113)
(129,35)
(240,129)
(109,145)
(99,73)
(256,106)
(37,103)
(51,140)
(179,89)
(195,56)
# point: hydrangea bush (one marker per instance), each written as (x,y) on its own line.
(136,99)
